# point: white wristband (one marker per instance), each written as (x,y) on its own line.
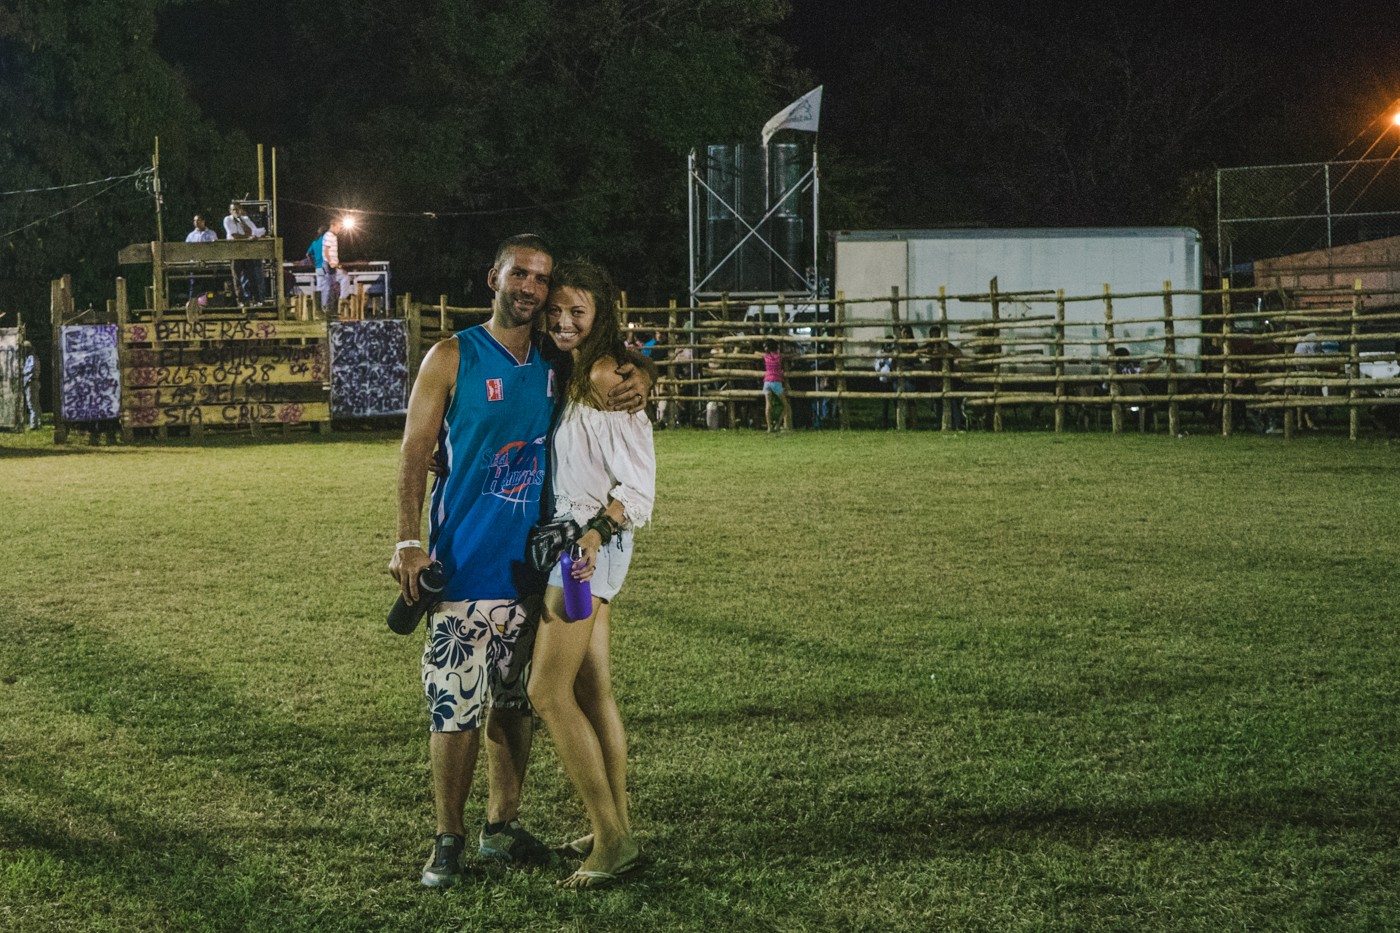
(410,543)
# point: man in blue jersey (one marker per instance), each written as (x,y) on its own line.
(485,399)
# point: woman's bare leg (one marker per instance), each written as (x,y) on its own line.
(593,690)
(560,648)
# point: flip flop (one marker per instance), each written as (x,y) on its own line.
(593,880)
(579,848)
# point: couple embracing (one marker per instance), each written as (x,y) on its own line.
(541,406)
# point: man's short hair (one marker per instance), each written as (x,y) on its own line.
(530,241)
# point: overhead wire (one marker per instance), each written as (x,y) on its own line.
(80,184)
(66,210)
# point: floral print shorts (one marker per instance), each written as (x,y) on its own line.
(477,656)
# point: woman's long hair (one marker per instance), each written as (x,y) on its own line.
(604,338)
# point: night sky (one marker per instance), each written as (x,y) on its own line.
(1315,74)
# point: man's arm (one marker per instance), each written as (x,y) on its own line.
(638,372)
(436,379)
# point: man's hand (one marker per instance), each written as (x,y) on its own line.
(630,395)
(405,567)
(437,465)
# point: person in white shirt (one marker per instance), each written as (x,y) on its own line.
(200,234)
(333,280)
(604,475)
(248,277)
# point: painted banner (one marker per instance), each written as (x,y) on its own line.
(91,373)
(369,368)
(234,413)
(181,396)
(11,380)
(174,329)
(230,354)
(231,374)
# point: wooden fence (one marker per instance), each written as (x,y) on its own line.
(1248,358)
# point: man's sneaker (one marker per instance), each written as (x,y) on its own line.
(444,868)
(515,844)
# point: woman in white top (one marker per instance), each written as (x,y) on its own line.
(605,479)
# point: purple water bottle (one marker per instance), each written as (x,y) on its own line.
(578,595)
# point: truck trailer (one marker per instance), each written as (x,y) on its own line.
(1030,266)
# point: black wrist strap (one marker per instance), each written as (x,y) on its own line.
(605,526)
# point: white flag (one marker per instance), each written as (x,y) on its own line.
(802,114)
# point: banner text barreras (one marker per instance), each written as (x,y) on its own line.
(161,331)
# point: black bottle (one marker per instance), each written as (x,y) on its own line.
(403,618)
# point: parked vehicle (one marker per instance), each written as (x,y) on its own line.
(1029,265)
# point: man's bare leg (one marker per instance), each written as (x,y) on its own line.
(509,734)
(453,758)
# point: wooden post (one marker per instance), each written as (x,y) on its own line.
(415,345)
(901,407)
(122,308)
(945,404)
(673,403)
(1060,361)
(1001,351)
(284,308)
(839,364)
(1114,389)
(1354,363)
(56,290)
(1227,410)
(442,316)
(1173,407)
(158,297)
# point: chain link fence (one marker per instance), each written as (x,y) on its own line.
(1271,211)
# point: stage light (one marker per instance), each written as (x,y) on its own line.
(348,222)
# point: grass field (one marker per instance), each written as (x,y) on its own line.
(872,682)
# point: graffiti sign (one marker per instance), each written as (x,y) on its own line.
(11,379)
(91,373)
(369,368)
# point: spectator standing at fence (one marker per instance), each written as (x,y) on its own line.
(32,386)
(935,353)
(774,384)
(673,383)
(884,369)
(248,279)
(1307,350)
(201,233)
(906,360)
(487,396)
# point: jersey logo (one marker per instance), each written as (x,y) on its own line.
(516,472)
(494,391)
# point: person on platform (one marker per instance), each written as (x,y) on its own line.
(330,272)
(202,233)
(249,284)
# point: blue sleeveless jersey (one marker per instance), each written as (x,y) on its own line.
(495,436)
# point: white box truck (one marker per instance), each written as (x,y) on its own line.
(1036,260)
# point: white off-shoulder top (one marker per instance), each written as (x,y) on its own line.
(600,455)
